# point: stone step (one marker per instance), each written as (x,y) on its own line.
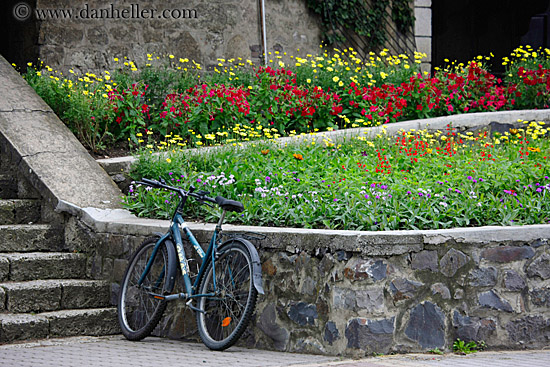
(54,295)
(19,211)
(27,238)
(42,265)
(97,321)
(8,187)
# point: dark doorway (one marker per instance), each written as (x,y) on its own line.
(464,29)
(18,38)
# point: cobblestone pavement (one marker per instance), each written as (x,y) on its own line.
(116,351)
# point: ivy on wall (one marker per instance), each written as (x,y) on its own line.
(365,18)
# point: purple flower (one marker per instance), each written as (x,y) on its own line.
(539,190)
(366,196)
(458,191)
(335,199)
(517,180)
(408,192)
(170,173)
(420,194)
(469,177)
(297,180)
(267,178)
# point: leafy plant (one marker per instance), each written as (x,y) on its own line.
(461,347)
(435,351)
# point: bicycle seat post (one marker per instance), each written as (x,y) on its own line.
(220,222)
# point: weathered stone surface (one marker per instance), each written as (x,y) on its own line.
(17,211)
(441,289)
(529,329)
(331,332)
(358,269)
(308,286)
(343,255)
(540,267)
(402,289)
(23,327)
(268,324)
(4,268)
(483,277)
(472,328)
(343,298)
(452,261)
(373,336)
(491,299)
(427,326)
(36,237)
(459,293)
(505,254)
(513,281)
(309,345)
(425,260)
(540,296)
(371,300)
(46,266)
(99,321)
(268,268)
(34,296)
(2,299)
(84,294)
(303,313)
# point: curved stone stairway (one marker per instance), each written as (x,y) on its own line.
(44,291)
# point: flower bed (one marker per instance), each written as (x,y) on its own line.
(238,101)
(416,180)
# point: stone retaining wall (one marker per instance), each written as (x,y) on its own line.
(357,293)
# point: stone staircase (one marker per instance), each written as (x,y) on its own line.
(44,290)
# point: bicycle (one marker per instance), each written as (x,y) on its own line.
(225,288)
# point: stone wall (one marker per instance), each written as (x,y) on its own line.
(359,293)
(220,29)
(423,31)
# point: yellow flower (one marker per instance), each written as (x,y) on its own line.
(308,80)
(171,56)
(335,79)
(298,157)
(168,160)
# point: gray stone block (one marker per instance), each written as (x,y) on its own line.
(427,326)
(37,265)
(4,268)
(483,277)
(23,327)
(2,299)
(26,238)
(303,313)
(268,324)
(34,296)
(403,289)
(8,187)
(491,299)
(472,328)
(513,281)
(540,296)
(331,333)
(425,260)
(370,300)
(16,211)
(452,261)
(373,336)
(85,294)
(540,267)
(102,321)
(529,329)
(441,289)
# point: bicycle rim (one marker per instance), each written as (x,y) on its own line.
(228,312)
(139,312)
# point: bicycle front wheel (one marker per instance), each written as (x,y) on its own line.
(138,310)
(231,297)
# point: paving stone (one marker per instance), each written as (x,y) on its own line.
(425,260)
(529,329)
(505,254)
(491,299)
(513,281)
(540,267)
(441,289)
(427,326)
(303,313)
(33,296)
(483,277)
(268,324)
(452,261)
(22,327)
(472,328)
(403,289)
(373,336)
(540,296)
(331,332)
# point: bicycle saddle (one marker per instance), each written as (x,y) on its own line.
(231,205)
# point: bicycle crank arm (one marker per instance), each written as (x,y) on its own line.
(170,297)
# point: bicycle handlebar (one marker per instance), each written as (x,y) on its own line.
(200,195)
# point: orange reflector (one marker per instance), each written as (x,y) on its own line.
(158,297)
(226,321)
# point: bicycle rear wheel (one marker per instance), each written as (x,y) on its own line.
(227,312)
(138,311)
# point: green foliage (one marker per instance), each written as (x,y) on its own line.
(435,351)
(461,347)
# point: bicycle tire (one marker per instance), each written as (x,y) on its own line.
(138,312)
(234,277)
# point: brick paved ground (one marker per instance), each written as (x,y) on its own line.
(116,351)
